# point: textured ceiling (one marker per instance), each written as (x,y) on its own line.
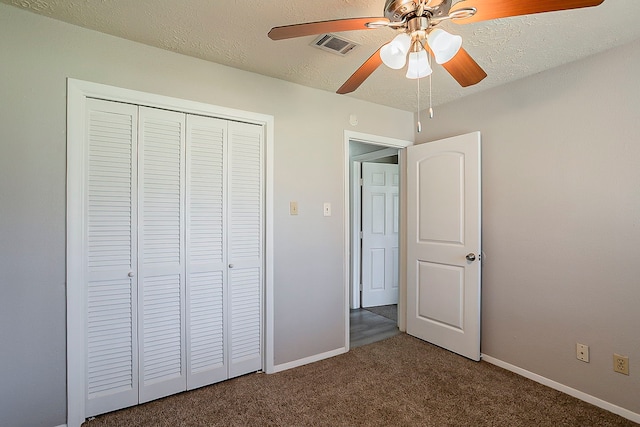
(235,34)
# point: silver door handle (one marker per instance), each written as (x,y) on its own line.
(230,265)
(130,274)
(471,257)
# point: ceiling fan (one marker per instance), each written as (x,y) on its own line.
(419,38)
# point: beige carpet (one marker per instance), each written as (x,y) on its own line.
(400,381)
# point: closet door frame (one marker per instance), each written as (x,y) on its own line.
(78,91)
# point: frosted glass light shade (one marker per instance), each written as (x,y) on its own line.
(394,53)
(418,65)
(444,45)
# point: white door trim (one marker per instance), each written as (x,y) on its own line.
(375,155)
(77,93)
(355,221)
(384,142)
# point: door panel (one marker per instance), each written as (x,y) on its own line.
(441,190)
(245,255)
(245,311)
(207,360)
(161,257)
(111,298)
(443,287)
(380,209)
(440,294)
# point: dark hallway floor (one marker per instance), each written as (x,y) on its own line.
(367,327)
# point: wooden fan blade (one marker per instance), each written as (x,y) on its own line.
(464,69)
(312,28)
(493,9)
(361,74)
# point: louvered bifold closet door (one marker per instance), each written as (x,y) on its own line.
(245,247)
(110,255)
(161,258)
(206,254)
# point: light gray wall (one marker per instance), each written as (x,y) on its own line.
(37,54)
(561,219)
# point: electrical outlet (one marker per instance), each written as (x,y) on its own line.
(621,364)
(582,352)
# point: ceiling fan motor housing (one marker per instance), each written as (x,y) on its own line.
(399,10)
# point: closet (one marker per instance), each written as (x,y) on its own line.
(173,252)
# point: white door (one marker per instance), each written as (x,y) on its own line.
(207,361)
(161,253)
(245,253)
(380,226)
(224,249)
(109,250)
(443,243)
(173,249)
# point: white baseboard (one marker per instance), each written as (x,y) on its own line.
(564,389)
(62,425)
(307,360)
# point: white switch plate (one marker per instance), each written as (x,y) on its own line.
(327,209)
(582,352)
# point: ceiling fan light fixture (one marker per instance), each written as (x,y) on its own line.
(444,45)
(394,53)
(418,65)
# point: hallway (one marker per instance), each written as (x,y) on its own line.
(367,327)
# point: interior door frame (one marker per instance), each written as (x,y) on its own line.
(77,93)
(356,217)
(382,141)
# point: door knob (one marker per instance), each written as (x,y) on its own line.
(230,265)
(471,257)
(130,274)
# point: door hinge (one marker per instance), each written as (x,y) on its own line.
(361,234)
(360,287)
(361,182)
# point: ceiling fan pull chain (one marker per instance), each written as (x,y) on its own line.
(419,124)
(430,92)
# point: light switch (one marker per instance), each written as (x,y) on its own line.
(327,209)
(293,208)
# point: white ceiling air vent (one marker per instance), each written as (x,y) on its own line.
(334,44)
